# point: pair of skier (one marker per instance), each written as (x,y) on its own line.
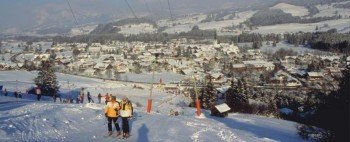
(113,110)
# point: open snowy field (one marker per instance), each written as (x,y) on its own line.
(71,82)
(300,50)
(82,30)
(292,9)
(342,25)
(28,120)
(330,10)
(240,18)
(166,77)
(132,29)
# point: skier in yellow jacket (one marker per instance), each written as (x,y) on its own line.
(126,112)
(112,114)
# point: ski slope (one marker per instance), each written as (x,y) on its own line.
(292,9)
(28,120)
(329,10)
(342,25)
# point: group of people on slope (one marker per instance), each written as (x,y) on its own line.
(114,110)
(15,94)
(80,98)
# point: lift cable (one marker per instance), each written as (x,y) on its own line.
(132,11)
(71,10)
(171,15)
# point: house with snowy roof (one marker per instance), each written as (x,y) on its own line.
(260,65)
(282,78)
(218,79)
(41,57)
(94,49)
(220,110)
(108,49)
(86,65)
(84,56)
(314,76)
(238,68)
(100,66)
(63,61)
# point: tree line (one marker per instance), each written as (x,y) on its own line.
(326,41)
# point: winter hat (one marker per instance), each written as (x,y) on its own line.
(113,98)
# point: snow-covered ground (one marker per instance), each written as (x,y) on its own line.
(166,77)
(329,10)
(292,9)
(71,82)
(82,30)
(28,120)
(131,29)
(300,50)
(342,25)
(218,25)
(187,19)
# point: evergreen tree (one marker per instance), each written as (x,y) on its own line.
(236,98)
(262,80)
(331,112)
(47,79)
(274,43)
(229,96)
(211,91)
(208,96)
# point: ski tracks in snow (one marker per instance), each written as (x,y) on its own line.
(219,129)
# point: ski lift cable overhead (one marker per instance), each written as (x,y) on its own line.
(74,17)
(132,11)
(171,15)
(162,9)
(72,12)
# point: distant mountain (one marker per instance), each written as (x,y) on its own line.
(49,16)
(26,16)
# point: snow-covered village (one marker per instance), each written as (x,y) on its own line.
(149,71)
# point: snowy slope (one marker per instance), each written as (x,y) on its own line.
(187,26)
(33,121)
(131,29)
(329,10)
(292,9)
(342,25)
(28,120)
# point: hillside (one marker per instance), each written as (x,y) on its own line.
(126,26)
(28,120)
(291,9)
(341,25)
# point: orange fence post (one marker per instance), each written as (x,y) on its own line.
(198,106)
(149,105)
